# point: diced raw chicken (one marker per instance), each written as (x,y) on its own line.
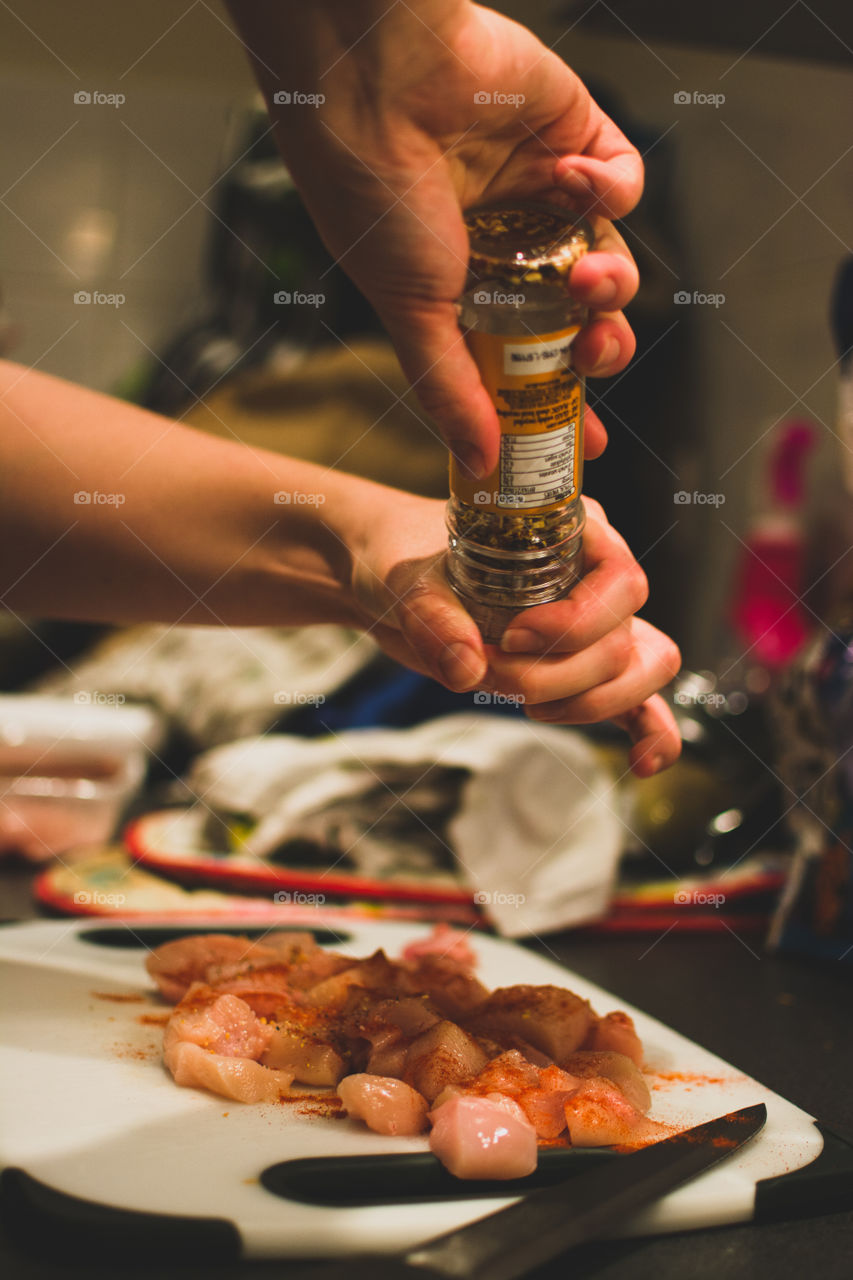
(208,957)
(443,1055)
(553,1020)
(266,989)
(176,965)
(599,1115)
(311,1059)
(222,1024)
(545,1106)
(510,1073)
(376,973)
(445,942)
(616,1031)
(410,1014)
(478,1137)
(499,1069)
(540,1093)
(385,1105)
(380,1029)
(237,1078)
(387,1056)
(307,970)
(453,989)
(615,1067)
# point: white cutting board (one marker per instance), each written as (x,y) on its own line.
(87,1107)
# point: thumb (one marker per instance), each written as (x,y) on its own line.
(435,359)
(443,637)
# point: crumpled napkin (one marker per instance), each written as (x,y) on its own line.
(532,826)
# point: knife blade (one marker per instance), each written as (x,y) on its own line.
(516,1240)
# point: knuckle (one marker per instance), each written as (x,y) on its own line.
(638,586)
(621,649)
(671,659)
(524,686)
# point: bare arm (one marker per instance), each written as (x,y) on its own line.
(182,527)
(111,513)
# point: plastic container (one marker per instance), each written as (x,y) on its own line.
(68,768)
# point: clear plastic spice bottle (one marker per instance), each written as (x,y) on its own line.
(516,536)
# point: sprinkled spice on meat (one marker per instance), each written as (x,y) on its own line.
(404,1046)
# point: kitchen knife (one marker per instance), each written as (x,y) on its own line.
(516,1240)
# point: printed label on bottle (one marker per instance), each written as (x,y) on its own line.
(539,402)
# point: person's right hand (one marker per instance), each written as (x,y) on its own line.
(433,106)
(575,661)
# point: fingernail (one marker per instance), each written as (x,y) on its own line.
(609,353)
(521,640)
(460,666)
(657,764)
(469,457)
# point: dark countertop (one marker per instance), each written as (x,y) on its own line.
(781,1019)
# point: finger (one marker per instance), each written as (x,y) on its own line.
(653,730)
(594,435)
(612,589)
(546,679)
(655,661)
(434,357)
(607,177)
(608,276)
(442,636)
(604,346)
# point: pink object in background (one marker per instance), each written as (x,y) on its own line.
(767,612)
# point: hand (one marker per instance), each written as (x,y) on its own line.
(575,661)
(404,142)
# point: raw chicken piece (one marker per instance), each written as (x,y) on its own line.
(509,1073)
(540,1093)
(385,1105)
(615,1067)
(207,957)
(443,1055)
(410,1014)
(553,1020)
(477,1137)
(377,972)
(237,1078)
(176,965)
(615,1031)
(310,1058)
(444,942)
(222,1024)
(266,989)
(599,1115)
(455,992)
(387,1056)
(545,1106)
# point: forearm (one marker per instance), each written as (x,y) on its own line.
(111,513)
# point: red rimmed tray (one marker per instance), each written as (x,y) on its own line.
(169,842)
